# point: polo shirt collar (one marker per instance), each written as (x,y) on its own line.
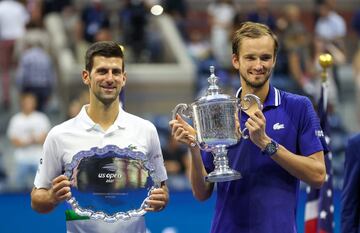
(273,98)
(87,123)
(121,118)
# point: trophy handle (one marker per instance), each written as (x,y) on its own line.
(182,109)
(243,135)
(247,102)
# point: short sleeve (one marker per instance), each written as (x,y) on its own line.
(156,154)
(311,136)
(50,163)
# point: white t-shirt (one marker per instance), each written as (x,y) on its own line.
(25,127)
(330,27)
(13,18)
(81,134)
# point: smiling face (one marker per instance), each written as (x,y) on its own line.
(105,79)
(255,61)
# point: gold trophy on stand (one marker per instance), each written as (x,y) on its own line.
(325,61)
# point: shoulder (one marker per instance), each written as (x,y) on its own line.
(295,101)
(40,115)
(352,156)
(137,121)
(16,117)
(62,128)
(354,141)
(334,15)
(299,107)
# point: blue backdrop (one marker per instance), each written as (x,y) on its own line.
(183,215)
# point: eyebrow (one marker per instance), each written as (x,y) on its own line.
(255,55)
(108,68)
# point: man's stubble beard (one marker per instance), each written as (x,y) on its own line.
(106,101)
(98,95)
(253,84)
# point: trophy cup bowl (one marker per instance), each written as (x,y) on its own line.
(216,121)
(110,183)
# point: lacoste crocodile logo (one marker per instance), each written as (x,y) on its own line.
(132,147)
(278,126)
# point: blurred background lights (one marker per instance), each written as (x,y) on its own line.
(157,10)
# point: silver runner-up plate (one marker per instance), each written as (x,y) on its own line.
(110,183)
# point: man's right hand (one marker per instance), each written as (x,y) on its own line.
(182,131)
(60,190)
(44,200)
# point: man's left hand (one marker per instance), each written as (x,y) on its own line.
(256,125)
(158,199)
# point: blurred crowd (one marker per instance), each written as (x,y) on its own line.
(30,80)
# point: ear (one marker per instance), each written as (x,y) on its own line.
(273,66)
(86,77)
(124,76)
(235,61)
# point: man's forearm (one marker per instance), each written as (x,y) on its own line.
(42,200)
(310,169)
(201,189)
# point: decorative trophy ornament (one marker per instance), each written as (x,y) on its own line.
(110,183)
(216,120)
(325,61)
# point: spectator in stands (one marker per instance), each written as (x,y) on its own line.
(77,103)
(57,6)
(134,20)
(178,11)
(296,42)
(356,76)
(356,61)
(350,197)
(262,14)
(199,50)
(355,22)
(198,46)
(330,28)
(94,17)
(36,73)
(221,16)
(27,131)
(35,9)
(13,19)
(177,162)
(176,158)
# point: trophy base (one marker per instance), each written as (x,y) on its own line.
(223,175)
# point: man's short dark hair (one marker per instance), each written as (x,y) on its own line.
(105,49)
(252,30)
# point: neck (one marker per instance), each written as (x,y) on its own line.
(27,113)
(260,92)
(104,115)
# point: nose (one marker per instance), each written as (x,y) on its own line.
(258,64)
(110,75)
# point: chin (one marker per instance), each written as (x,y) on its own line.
(108,100)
